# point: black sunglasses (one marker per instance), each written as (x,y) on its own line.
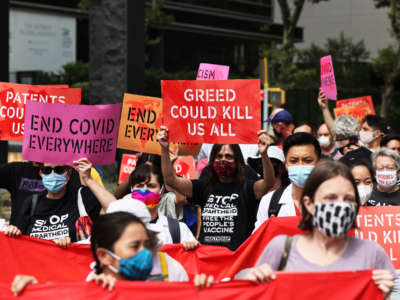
(57,170)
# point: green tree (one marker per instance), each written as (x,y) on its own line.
(387,63)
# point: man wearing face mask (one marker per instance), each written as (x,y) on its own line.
(386,164)
(53,213)
(282,123)
(373,128)
(302,152)
(325,139)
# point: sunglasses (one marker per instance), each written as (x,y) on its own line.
(57,170)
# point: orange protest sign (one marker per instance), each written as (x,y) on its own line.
(184,166)
(359,101)
(140,120)
(358,112)
(128,165)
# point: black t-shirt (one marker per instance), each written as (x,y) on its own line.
(250,173)
(228,213)
(22,180)
(384,199)
(55,218)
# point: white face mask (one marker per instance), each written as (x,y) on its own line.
(386,179)
(364,191)
(366,137)
(324,141)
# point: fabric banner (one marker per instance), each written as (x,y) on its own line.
(359,101)
(328,286)
(128,165)
(63,133)
(212,111)
(328,82)
(13,98)
(141,118)
(212,72)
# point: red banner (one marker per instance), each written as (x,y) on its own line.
(365,100)
(12,104)
(128,164)
(212,111)
(328,286)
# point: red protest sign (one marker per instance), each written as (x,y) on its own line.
(13,98)
(359,101)
(184,166)
(212,111)
(128,164)
(328,82)
(382,225)
(357,112)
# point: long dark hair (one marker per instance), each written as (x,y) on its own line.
(108,228)
(240,175)
(323,171)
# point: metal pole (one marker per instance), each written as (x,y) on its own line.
(4,60)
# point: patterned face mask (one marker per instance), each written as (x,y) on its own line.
(334,219)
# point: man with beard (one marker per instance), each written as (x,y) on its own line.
(282,123)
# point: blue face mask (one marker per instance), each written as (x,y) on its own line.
(298,174)
(137,267)
(54,182)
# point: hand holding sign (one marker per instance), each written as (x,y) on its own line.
(322,100)
(264,141)
(328,82)
(83,166)
(162,137)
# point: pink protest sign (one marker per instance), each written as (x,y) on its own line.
(328,82)
(62,133)
(212,72)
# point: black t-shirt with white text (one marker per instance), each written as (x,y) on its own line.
(378,198)
(55,218)
(228,212)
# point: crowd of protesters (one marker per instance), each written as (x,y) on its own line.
(322,174)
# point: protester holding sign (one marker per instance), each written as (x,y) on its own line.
(52,214)
(329,203)
(302,152)
(386,164)
(228,200)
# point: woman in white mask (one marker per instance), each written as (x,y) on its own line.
(364,178)
(372,129)
(330,204)
(386,163)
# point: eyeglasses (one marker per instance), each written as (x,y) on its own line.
(57,170)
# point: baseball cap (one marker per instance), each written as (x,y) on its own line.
(280,115)
(276,152)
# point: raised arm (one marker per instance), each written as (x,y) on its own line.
(323,104)
(182,185)
(83,166)
(262,186)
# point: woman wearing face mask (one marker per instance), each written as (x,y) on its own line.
(124,249)
(302,152)
(372,129)
(386,164)
(330,204)
(53,213)
(147,186)
(364,178)
(228,200)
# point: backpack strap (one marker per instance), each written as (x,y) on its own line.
(164,266)
(274,205)
(175,230)
(286,252)
(34,202)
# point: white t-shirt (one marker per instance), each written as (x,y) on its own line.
(165,236)
(287,209)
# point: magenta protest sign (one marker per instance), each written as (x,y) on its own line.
(328,82)
(212,72)
(62,133)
